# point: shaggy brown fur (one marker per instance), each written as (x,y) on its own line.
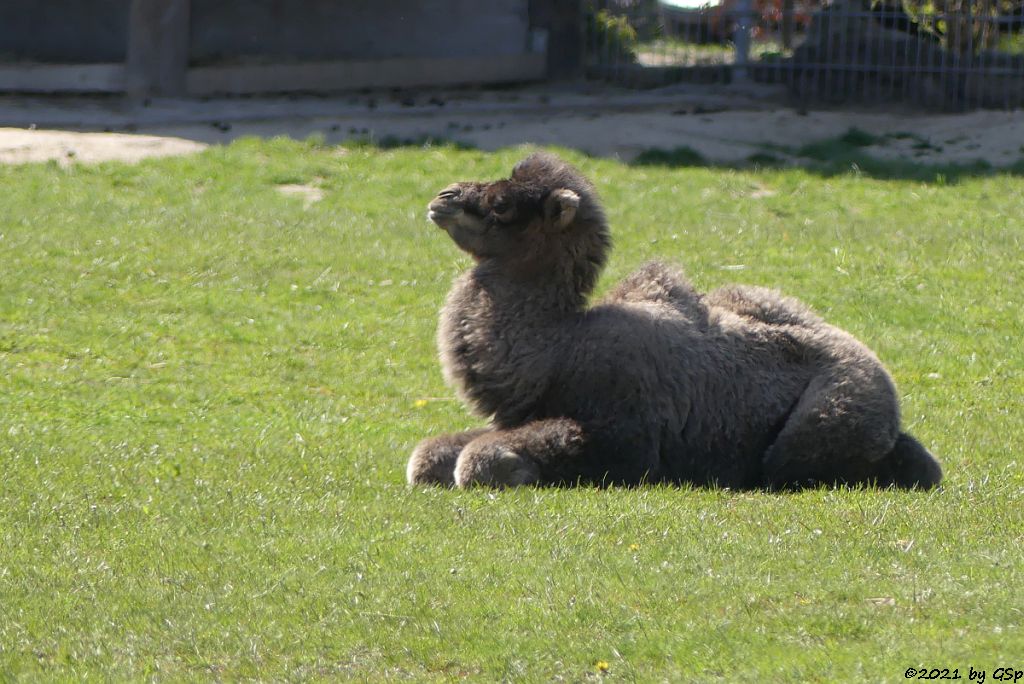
(657,383)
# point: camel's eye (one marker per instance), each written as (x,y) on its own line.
(500,206)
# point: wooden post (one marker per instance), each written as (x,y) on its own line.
(563,21)
(157,47)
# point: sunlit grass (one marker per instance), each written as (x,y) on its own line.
(209,389)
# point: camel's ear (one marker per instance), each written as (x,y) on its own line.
(560,207)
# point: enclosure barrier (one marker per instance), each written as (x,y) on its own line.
(944,55)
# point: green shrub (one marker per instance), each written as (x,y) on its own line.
(611,36)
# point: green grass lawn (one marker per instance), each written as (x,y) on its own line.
(209,390)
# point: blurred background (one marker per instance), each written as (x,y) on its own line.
(942,55)
(948,54)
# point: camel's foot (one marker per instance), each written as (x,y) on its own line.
(494,465)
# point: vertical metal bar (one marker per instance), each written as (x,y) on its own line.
(894,66)
(971,72)
(968,73)
(787,24)
(980,72)
(741,39)
(907,68)
(838,17)
(877,63)
(953,63)
(828,61)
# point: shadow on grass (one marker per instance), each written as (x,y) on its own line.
(843,155)
(390,142)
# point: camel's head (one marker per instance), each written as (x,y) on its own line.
(544,216)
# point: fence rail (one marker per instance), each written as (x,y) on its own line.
(946,54)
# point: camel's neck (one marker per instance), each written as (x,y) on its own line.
(500,338)
(531,301)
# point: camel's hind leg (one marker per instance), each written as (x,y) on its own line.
(840,431)
(909,465)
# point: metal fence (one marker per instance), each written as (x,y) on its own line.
(940,54)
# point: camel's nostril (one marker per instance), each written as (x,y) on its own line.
(449,193)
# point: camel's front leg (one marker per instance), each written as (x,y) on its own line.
(433,460)
(519,456)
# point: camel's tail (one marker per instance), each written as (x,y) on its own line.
(911,465)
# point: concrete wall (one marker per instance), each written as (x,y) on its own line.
(355,29)
(76,31)
(175,47)
(84,31)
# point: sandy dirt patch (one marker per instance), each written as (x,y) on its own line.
(309,194)
(725,136)
(618,127)
(20,146)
